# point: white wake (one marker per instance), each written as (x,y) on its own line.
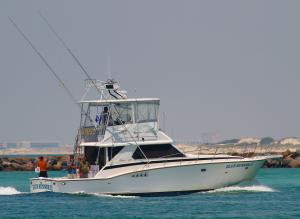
(8,191)
(114,196)
(252,188)
(104,195)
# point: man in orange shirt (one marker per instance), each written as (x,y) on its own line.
(42,165)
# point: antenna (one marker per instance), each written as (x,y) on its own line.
(109,67)
(44,60)
(164,121)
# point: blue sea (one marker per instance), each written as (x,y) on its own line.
(274,194)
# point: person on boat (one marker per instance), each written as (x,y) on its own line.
(84,168)
(102,118)
(42,165)
(72,166)
(104,115)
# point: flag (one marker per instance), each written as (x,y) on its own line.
(97,120)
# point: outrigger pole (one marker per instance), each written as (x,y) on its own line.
(44,60)
(69,51)
(73,55)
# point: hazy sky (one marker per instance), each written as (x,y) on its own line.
(225,67)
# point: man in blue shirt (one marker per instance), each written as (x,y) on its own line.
(72,166)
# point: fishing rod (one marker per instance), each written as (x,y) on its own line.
(44,60)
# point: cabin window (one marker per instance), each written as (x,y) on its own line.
(92,153)
(120,114)
(146,112)
(113,151)
(95,115)
(156,151)
(95,118)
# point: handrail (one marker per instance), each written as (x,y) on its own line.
(215,152)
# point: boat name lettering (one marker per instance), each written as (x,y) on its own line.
(239,165)
(42,186)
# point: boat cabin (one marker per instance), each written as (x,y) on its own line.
(122,130)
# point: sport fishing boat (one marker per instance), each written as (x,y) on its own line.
(129,154)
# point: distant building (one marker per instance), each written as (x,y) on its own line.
(11,145)
(28,144)
(40,145)
(24,144)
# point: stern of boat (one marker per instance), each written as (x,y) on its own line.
(42,185)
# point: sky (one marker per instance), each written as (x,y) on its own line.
(222,69)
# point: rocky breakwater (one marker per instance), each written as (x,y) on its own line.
(289,160)
(28,164)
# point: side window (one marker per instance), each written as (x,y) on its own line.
(156,151)
(146,112)
(91,154)
(113,151)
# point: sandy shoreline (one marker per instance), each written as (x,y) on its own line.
(237,149)
(30,151)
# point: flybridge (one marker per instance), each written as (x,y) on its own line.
(115,118)
(131,100)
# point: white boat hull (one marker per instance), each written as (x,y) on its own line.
(186,177)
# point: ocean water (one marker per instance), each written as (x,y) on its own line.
(274,194)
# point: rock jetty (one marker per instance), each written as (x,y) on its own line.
(289,160)
(29,164)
